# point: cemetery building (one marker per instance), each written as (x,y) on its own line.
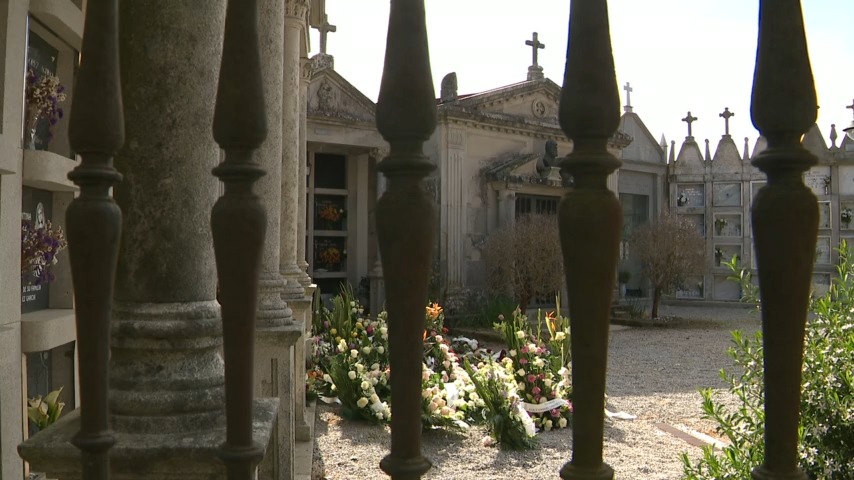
(716,190)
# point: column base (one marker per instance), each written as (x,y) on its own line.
(572,472)
(184,456)
(302,316)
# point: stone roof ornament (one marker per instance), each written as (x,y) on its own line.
(746,149)
(726,115)
(628,88)
(448,92)
(325,28)
(689,120)
(833,135)
(535,71)
(849,130)
(708,152)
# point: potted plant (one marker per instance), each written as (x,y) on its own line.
(623,278)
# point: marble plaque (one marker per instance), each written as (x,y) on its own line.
(846,179)
(820,284)
(822,251)
(725,252)
(817,179)
(726,194)
(690,195)
(824,215)
(726,289)
(754,189)
(699,220)
(692,288)
(728,225)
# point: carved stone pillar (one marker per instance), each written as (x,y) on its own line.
(506,208)
(294,293)
(277,331)
(377,298)
(302,178)
(166,368)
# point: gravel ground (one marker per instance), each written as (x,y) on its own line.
(653,373)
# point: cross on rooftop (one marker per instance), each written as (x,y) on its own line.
(324,28)
(628,88)
(851,106)
(726,116)
(689,120)
(535,45)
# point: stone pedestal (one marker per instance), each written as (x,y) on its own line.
(274,377)
(302,310)
(191,455)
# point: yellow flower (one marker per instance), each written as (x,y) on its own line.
(434,310)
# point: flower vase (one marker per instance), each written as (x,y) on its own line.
(32,122)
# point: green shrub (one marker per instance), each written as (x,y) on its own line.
(826,443)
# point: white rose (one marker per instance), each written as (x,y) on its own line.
(351,374)
(365,385)
(562,422)
(359,367)
(327,378)
(439,338)
(520,372)
(539,362)
(383,330)
(366,350)
(376,399)
(520,334)
(381,349)
(548,382)
(512,353)
(445,411)
(354,353)
(362,402)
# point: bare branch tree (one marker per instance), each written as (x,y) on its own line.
(525,259)
(668,251)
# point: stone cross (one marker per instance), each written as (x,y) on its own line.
(849,106)
(689,120)
(628,88)
(324,28)
(726,116)
(535,45)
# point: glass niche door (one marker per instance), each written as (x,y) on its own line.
(328,221)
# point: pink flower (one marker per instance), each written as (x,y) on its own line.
(523,361)
(555,412)
(524,349)
(531,378)
(535,390)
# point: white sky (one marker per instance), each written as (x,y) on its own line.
(678,55)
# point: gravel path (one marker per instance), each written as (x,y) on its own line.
(653,373)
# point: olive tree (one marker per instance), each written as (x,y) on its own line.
(525,259)
(668,251)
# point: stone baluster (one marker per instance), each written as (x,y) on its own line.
(590,219)
(238,223)
(785,223)
(93,220)
(406,116)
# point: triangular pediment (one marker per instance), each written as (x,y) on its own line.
(727,158)
(536,100)
(690,160)
(643,147)
(330,95)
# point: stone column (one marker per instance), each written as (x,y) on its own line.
(294,293)
(166,377)
(276,332)
(302,178)
(376,274)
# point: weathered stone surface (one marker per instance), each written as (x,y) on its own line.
(176,456)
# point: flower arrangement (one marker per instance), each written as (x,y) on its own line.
(846,215)
(330,256)
(350,365)
(39,247)
(720,224)
(44,93)
(331,213)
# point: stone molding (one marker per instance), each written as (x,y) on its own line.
(306,69)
